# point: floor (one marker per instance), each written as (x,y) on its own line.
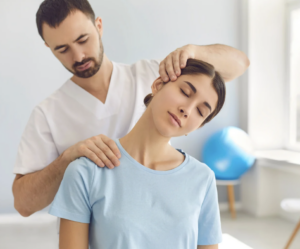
(254,233)
(260,233)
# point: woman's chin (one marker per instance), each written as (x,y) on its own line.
(167,132)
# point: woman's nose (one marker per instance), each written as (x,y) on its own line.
(184,112)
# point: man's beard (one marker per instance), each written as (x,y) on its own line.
(91,71)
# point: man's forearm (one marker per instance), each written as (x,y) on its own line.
(228,61)
(35,191)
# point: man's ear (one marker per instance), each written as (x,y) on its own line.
(157,85)
(46,45)
(99,26)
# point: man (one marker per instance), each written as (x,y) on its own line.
(102,97)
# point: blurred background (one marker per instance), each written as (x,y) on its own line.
(264,102)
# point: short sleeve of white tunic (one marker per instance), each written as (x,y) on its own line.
(133,207)
(71,115)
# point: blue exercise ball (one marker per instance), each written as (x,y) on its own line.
(229,153)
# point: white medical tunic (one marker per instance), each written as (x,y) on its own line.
(71,114)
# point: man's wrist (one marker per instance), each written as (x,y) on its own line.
(64,158)
(200,52)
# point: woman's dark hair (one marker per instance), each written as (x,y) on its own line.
(53,12)
(193,67)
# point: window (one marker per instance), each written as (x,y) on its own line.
(294,75)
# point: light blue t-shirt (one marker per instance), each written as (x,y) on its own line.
(134,207)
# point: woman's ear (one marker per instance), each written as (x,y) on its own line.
(157,85)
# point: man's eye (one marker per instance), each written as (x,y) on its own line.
(183,92)
(81,42)
(62,52)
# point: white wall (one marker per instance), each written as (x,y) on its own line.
(133,29)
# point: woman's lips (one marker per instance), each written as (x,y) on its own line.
(84,66)
(173,120)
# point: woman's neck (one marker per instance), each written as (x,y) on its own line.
(147,146)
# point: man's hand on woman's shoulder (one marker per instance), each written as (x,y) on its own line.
(100,149)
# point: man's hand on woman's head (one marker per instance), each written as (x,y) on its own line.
(100,149)
(228,61)
(170,67)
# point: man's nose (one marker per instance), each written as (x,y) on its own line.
(78,56)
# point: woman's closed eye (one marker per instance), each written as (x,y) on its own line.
(188,97)
(184,93)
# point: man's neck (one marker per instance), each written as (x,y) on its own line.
(98,84)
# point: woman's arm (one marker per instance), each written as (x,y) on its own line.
(73,235)
(208,247)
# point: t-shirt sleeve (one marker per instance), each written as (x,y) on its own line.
(37,148)
(72,201)
(209,224)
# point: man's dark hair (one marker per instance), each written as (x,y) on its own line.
(194,67)
(53,12)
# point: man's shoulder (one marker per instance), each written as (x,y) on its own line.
(50,102)
(139,63)
(141,66)
(146,63)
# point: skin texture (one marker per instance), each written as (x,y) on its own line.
(73,235)
(208,247)
(35,191)
(179,94)
(75,42)
(152,148)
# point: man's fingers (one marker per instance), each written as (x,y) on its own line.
(92,146)
(112,145)
(176,65)
(107,151)
(162,71)
(93,157)
(170,68)
(183,59)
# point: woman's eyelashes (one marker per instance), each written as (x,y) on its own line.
(184,93)
(188,97)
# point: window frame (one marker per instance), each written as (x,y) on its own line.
(291,103)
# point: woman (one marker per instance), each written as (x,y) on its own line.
(158,197)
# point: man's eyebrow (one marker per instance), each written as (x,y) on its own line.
(61,46)
(195,90)
(80,37)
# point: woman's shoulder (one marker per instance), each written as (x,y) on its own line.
(81,166)
(199,166)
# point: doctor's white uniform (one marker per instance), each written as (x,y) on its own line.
(71,114)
